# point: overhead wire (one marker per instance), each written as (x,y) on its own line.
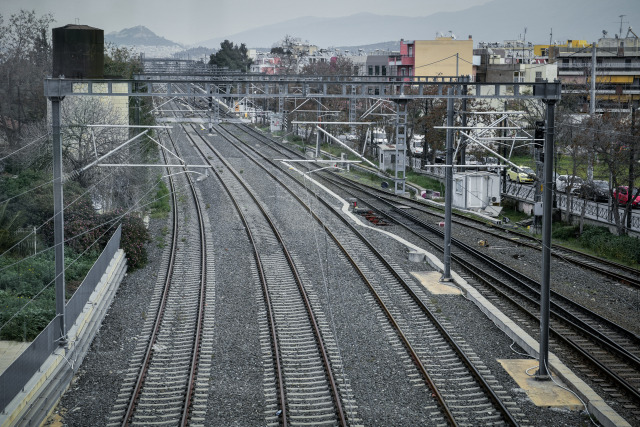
(108,175)
(23,147)
(113,221)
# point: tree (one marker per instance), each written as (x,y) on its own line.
(121,62)
(290,53)
(25,60)
(231,56)
(614,144)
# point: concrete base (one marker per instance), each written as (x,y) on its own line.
(416,257)
(541,393)
(431,281)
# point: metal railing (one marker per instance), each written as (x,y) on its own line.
(598,212)
(29,362)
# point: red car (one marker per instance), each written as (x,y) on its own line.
(622,194)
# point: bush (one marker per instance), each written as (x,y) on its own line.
(622,248)
(21,282)
(565,232)
(134,237)
(30,321)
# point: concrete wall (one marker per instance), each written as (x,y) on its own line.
(433,51)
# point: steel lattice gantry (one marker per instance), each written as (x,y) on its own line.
(276,86)
(399,89)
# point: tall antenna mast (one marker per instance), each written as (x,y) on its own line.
(621,16)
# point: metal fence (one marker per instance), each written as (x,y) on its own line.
(599,212)
(29,362)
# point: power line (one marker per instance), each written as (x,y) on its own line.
(23,147)
(66,207)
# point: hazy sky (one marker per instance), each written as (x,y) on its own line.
(191,21)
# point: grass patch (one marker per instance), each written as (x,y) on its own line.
(161,205)
(426,182)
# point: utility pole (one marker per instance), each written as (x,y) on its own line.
(545,288)
(463,138)
(448,197)
(592,106)
(58,220)
(632,159)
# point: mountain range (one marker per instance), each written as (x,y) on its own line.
(495,21)
(537,22)
(138,36)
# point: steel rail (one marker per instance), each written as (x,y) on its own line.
(477,376)
(161,307)
(303,293)
(576,323)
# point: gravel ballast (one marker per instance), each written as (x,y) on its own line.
(382,392)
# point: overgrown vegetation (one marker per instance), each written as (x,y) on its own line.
(599,241)
(96,201)
(161,205)
(28,287)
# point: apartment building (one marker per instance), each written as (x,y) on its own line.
(444,56)
(617,70)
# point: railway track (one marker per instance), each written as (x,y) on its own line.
(424,338)
(604,348)
(160,386)
(613,350)
(307,391)
(607,268)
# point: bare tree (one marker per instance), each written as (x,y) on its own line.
(25,59)
(612,144)
(83,145)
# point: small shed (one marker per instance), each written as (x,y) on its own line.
(476,190)
(387,156)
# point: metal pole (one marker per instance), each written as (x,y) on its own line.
(592,93)
(463,145)
(58,220)
(592,105)
(545,289)
(446,276)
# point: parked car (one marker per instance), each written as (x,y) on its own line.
(571,182)
(596,190)
(622,194)
(521,174)
(491,162)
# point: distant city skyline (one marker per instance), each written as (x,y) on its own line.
(192,21)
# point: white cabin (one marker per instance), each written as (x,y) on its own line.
(475,190)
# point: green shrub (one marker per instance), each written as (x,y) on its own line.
(565,232)
(134,238)
(26,280)
(622,248)
(30,321)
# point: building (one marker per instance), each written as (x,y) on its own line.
(617,70)
(377,65)
(444,56)
(476,190)
(387,157)
(511,61)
